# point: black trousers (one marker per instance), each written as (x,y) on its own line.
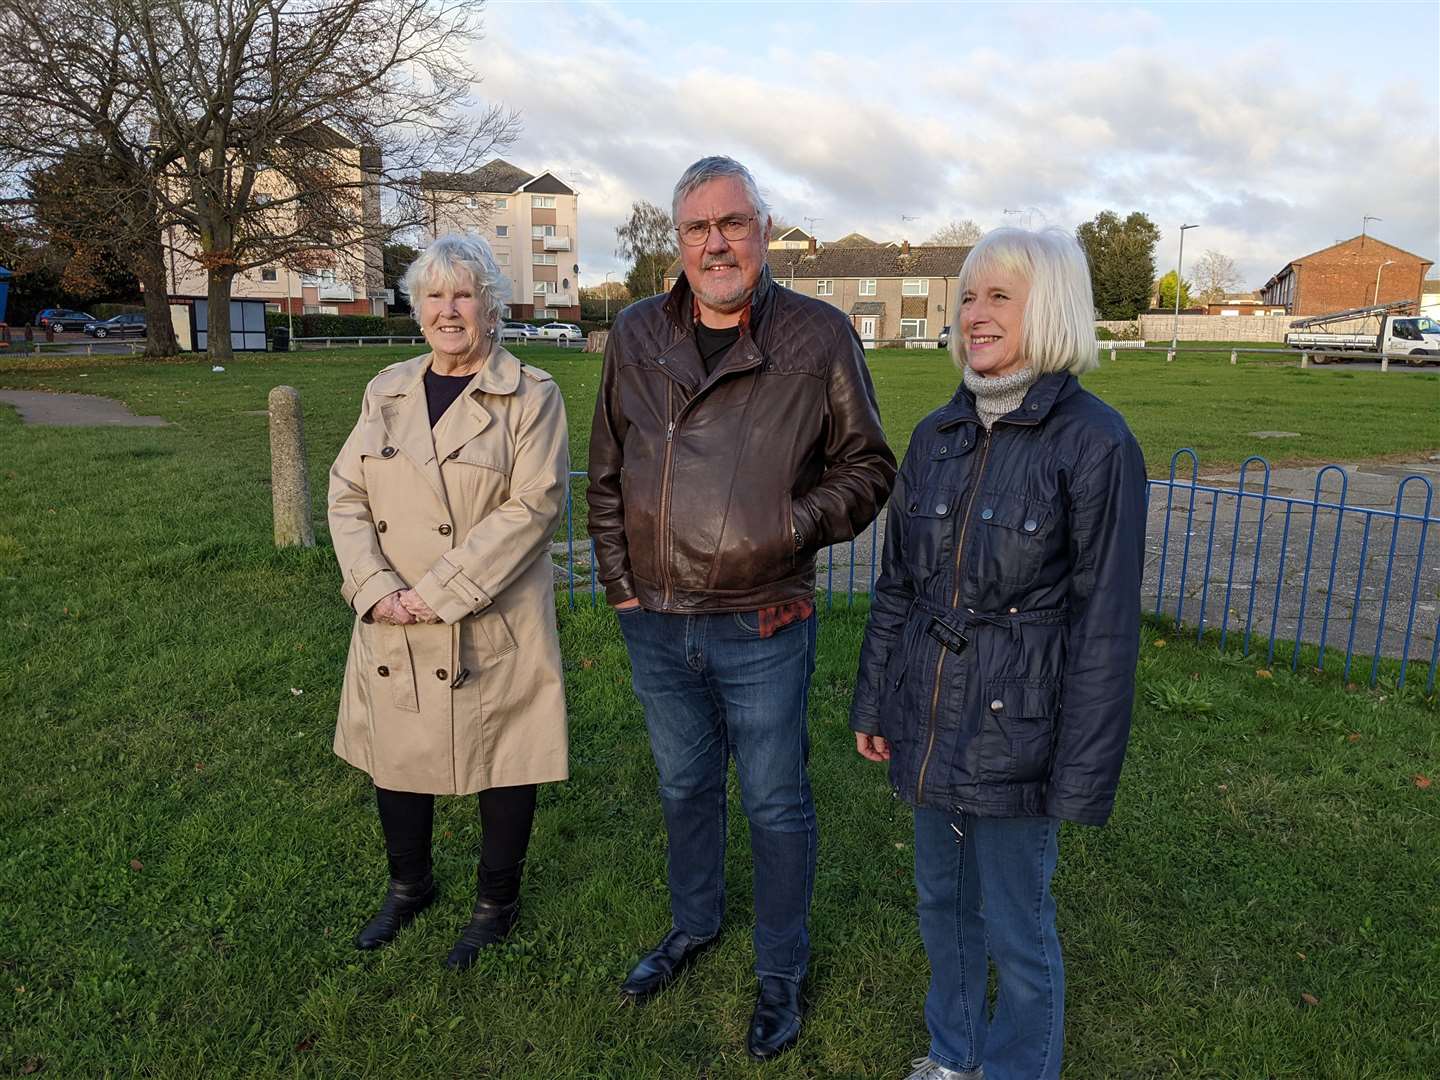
(506,817)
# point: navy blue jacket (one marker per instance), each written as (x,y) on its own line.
(999,658)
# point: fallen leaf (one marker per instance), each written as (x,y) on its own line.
(305,1045)
(199,766)
(31,1066)
(1159,643)
(1309,999)
(587,664)
(136,865)
(1353,737)
(1263,673)
(1422,782)
(1301,955)
(1224,787)
(297,693)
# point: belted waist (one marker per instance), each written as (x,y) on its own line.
(967,617)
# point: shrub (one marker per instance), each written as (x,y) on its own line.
(109,311)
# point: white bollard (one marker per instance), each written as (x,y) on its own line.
(1304,359)
(1112,354)
(1384,363)
(1232,356)
(1169,355)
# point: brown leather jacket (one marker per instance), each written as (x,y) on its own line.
(699,485)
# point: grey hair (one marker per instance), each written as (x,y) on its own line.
(458,258)
(717,168)
(1057,331)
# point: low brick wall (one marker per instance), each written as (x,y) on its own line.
(1217,327)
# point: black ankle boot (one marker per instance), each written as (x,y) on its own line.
(497,906)
(403,901)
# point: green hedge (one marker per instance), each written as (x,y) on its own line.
(109,311)
(344,325)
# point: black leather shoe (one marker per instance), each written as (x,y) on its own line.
(657,969)
(775,1023)
(490,923)
(403,901)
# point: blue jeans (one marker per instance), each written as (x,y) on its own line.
(986,897)
(712,688)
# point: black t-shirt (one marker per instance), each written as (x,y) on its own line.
(441,392)
(714,344)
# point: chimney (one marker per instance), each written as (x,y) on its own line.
(904,247)
(812,245)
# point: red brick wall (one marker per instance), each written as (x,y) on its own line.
(1343,277)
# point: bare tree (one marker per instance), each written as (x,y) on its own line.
(288,132)
(647,239)
(1215,275)
(957,234)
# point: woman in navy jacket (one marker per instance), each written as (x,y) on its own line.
(997,671)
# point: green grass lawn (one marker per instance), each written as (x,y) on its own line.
(184,861)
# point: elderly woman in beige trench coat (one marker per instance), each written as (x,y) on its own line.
(442,505)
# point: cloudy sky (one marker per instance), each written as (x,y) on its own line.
(1275,127)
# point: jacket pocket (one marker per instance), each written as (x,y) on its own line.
(389,671)
(1017,730)
(930,515)
(1012,539)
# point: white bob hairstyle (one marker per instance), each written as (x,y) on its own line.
(1058,327)
(457,259)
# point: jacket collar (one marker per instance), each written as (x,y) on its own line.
(407,417)
(1039,400)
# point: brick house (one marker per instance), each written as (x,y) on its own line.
(1354,273)
(532,224)
(891,293)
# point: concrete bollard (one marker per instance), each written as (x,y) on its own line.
(1112,354)
(1169,355)
(1384,363)
(1304,359)
(289,481)
(1232,356)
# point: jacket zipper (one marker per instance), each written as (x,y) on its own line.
(662,520)
(954,600)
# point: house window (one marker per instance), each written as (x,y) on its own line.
(547,313)
(542,259)
(470,202)
(273,307)
(502,204)
(543,202)
(912,328)
(539,232)
(268,274)
(915,287)
(824,287)
(502,258)
(502,230)
(544,287)
(867,287)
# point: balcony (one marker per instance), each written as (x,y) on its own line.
(557,243)
(336,290)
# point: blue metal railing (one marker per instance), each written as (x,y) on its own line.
(1255,564)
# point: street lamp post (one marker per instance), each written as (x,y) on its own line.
(1179,261)
(1375,300)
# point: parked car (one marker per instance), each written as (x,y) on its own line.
(518,331)
(62,319)
(944,338)
(132,325)
(562,332)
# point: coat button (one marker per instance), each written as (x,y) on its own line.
(382,671)
(1014,611)
(453,454)
(987,513)
(662,361)
(942,508)
(441,673)
(445,530)
(997,705)
(1031,524)
(380,526)
(389,451)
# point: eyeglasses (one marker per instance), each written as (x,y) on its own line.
(695,233)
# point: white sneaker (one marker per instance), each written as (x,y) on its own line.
(928,1069)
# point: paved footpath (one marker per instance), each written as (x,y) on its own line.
(39,407)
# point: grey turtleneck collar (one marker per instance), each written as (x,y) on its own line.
(998,394)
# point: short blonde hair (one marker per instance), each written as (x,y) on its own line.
(454,259)
(1058,328)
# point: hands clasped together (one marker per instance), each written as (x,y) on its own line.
(403,607)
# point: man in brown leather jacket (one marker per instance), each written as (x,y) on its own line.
(735,434)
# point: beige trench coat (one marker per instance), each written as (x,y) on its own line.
(465,518)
